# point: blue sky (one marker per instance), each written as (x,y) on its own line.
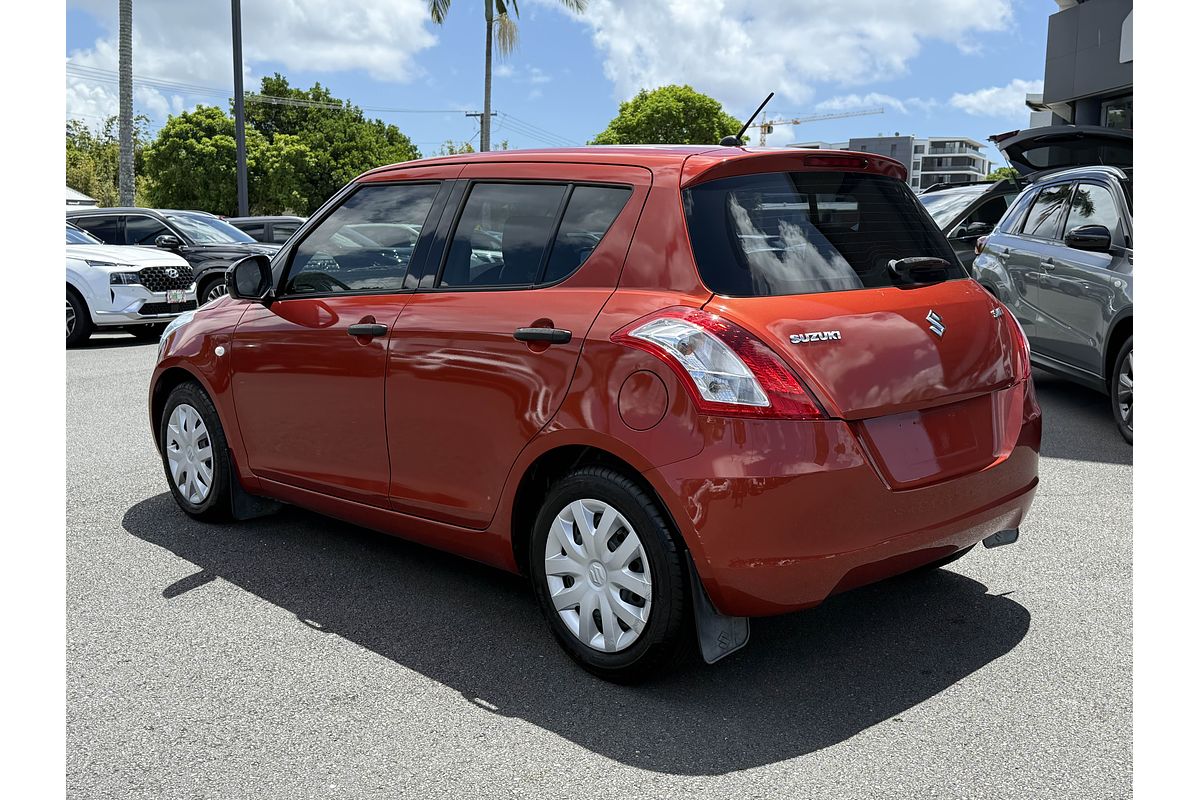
(940,67)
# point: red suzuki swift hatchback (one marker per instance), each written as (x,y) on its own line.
(675,386)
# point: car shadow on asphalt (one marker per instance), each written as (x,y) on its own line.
(805,682)
(1077,422)
(109,341)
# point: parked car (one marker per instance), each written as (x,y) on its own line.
(699,384)
(1062,257)
(965,212)
(273,230)
(208,243)
(136,288)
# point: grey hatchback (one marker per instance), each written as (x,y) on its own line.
(1062,259)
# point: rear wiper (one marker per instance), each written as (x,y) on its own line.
(921,269)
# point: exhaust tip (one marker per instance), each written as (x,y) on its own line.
(1001,538)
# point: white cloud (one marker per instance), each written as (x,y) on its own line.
(1005,102)
(855,102)
(189,42)
(738,50)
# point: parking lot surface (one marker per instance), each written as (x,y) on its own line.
(296,656)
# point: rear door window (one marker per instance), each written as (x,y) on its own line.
(255,230)
(1046,212)
(785,233)
(502,235)
(340,255)
(590,212)
(282,231)
(107,229)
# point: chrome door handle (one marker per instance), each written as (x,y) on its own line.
(1048,264)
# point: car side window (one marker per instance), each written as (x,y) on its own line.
(590,212)
(144,230)
(366,244)
(282,231)
(255,230)
(990,212)
(1012,219)
(1095,205)
(502,235)
(106,229)
(1046,212)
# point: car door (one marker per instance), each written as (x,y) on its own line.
(143,229)
(1029,250)
(485,351)
(1079,288)
(308,369)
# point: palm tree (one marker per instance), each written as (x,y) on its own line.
(503,27)
(125,103)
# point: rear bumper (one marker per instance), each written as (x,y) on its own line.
(779,515)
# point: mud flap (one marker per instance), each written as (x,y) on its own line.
(717,634)
(244,505)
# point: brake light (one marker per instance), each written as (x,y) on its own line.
(726,369)
(837,162)
(1024,367)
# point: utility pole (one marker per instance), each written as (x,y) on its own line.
(239,111)
(125,120)
(484,127)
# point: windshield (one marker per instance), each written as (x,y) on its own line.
(203,229)
(76,236)
(945,205)
(783,233)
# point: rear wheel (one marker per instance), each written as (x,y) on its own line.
(194,453)
(1120,390)
(609,576)
(79,324)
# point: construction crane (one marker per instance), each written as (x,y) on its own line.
(767,126)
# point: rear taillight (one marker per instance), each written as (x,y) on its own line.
(1023,367)
(726,369)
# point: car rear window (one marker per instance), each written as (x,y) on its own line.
(785,233)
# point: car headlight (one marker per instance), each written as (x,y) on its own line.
(172,326)
(123,278)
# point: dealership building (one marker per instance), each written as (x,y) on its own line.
(937,159)
(1089,66)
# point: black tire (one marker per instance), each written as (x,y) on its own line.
(663,642)
(148,333)
(216,505)
(207,286)
(1122,368)
(79,324)
(941,562)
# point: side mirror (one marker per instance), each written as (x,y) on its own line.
(1095,238)
(250,279)
(978,229)
(167,242)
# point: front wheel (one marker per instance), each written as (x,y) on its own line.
(194,454)
(79,323)
(1120,389)
(609,576)
(212,289)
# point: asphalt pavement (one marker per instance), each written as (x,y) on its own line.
(300,657)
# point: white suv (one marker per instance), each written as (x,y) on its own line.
(136,288)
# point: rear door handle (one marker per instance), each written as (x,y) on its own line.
(1048,264)
(551,335)
(367,329)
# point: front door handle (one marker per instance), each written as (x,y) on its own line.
(1048,263)
(549,335)
(367,329)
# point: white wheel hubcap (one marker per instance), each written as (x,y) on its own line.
(598,575)
(189,453)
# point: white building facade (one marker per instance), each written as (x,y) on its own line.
(933,160)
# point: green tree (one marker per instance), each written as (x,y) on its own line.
(499,25)
(669,115)
(93,159)
(1002,174)
(193,164)
(341,142)
(453,148)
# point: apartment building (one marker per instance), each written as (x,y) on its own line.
(936,159)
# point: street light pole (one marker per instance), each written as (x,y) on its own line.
(239,111)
